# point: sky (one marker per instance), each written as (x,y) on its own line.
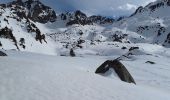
(110,8)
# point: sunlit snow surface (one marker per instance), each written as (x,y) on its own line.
(28,76)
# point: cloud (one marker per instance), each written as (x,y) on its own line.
(127,7)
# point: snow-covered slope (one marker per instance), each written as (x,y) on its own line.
(24,76)
(148,25)
(151,22)
(18,30)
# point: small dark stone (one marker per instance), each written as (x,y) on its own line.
(123,48)
(150,62)
(0,44)
(133,48)
(72,54)
(2,53)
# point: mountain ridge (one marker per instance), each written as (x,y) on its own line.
(66,30)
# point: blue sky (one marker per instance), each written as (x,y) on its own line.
(99,7)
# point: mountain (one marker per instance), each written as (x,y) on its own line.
(72,45)
(151,21)
(26,25)
(18,29)
(29,25)
(81,18)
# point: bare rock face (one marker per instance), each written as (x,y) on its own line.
(153,7)
(118,67)
(2,53)
(35,10)
(168,39)
(38,12)
(139,10)
(7,33)
(81,18)
(101,19)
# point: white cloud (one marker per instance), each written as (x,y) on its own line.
(127,7)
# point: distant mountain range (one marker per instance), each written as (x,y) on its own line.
(30,25)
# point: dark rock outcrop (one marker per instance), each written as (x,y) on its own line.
(168,39)
(118,37)
(38,12)
(139,10)
(7,33)
(155,6)
(81,18)
(101,19)
(31,27)
(133,48)
(2,53)
(118,67)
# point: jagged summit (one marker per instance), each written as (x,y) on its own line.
(34,10)
(151,21)
(153,7)
(78,17)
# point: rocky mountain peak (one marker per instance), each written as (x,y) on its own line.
(35,10)
(78,17)
(153,6)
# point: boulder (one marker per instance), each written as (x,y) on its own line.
(118,67)
(2,53)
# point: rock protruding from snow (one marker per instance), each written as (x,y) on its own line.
(118,67)
(133,48)
(168,38)
(2,53)
(7,33)
(72,53)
